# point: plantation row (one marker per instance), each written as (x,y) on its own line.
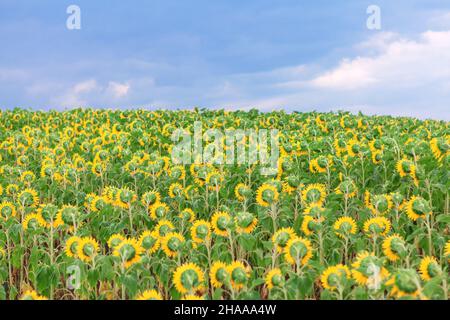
(93,207)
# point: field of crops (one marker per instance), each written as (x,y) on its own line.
(92,206)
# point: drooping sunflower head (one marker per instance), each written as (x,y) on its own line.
(380,204)
(239,274)
(314,193)
(200,231)
(115,240)
(187,214)
(222,223)
(405,167)
(242,192)
(266,195)
(417,208)
(378,226)
(404,283)
(163,227)
(48,214)
(218,274)
(87,249)
(394,247)
(28,198)
(129,252)
(159,210)
(68,215)
(188,278)
(33,222)
(320,164)
(149,295)
(149,241)
(98,203)
(172,243)
(7,210)
(150,198)
(124,198)
(245,222)
(314,210)
(71,245)
(175,190)
(447,250)
(12,189)
(274,279)
(429,268)
(27,177)
(334,277)
(298,251)
(177,173)
(347,187)
(281,238)
(440,147)
(311,225)
(32,295)
(368,270)
(344,227)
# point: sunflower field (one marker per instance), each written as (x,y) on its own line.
(93,207)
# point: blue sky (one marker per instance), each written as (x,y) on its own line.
(292,55)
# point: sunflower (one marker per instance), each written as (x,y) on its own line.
(192,297)
(266,195)
(218,274)
(239,274)
(177,173)
(298,251)
(71,245)
(314,210)
(149,295)
(12,189)
(347,187)
(378,226)
(447,250)
(281,238)
(440,147)
(200,231)
(320,164)
(394,247)
(417,208)
(7,210)
(404,284)
(28,198)
(129,251)
(149,241)
(33,221)
(368,270)
(98,203)
(115,240)
(221,222)
(310,224)
(2,254)
(344,227)
(163,227)
(406,168)
(27,177)
(87,249)
(159,210)
(378,204)
(150,198)
(175,190)
(274,278)
(242,192)
(245,222)
(188,278)
(335,276)
(32,295)
(187,215)
(68,215)
(172,243)
(314,194)
(429,268)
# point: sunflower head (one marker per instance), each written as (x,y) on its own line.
(368,270)
(274,279)
(129,252)
(7,210)
(334,277)
(68,215)
(347,187)
(200,231)
(417,208)
(172,243)
(33,222)
(218,274)
(394,247)
(242,192)
(344,227)
(447,250)
(378,226)
(149,295)
(222,223)
(149,241)
(239,274)
(281,238)
(28,198)
(159,211)
(87,249)
(32,295)
(266,195)
(429,268)
(314,194)
(187,215)
(150,198)
(71,245)
(115,240)
(298,251)
(404,283)
(188,278)
(163,227)
(245,222)
(175,190)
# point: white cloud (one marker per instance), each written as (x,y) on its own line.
(117,90)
